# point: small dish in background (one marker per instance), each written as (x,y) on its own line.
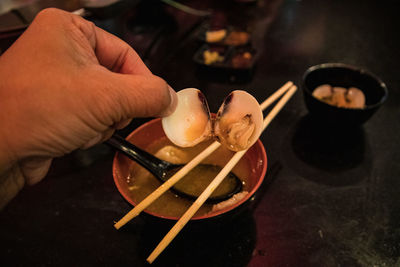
(343,76)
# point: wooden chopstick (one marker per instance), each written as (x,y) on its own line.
(214,184)
(189,166)
(278,93)
(167,185)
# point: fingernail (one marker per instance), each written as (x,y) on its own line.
(173,103)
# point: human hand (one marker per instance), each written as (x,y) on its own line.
(66,84)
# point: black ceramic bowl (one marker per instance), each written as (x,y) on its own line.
(342,75)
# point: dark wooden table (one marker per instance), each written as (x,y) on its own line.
(330,198)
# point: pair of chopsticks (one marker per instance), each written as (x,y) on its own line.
(289,89)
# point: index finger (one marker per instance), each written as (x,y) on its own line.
(112,53)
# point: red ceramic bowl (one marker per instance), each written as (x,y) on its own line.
(255,159)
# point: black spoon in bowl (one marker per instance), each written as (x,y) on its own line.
(163,170)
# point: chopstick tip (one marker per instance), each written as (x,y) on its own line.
(117,226)
(151,258)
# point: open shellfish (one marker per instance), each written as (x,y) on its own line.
(190,123)
(237,125)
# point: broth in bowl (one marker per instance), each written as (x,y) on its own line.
(135,183)
(141,183)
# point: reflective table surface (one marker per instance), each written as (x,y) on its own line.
(331,196)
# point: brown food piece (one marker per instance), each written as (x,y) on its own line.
(237,38)
(242,60)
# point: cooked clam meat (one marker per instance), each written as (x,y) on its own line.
(339,96)
(238,123)
(356,98)
(239,132)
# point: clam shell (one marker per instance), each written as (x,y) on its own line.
(239,121)
(190,123)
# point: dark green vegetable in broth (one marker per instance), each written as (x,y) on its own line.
(196,181)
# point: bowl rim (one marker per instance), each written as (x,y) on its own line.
(206,216)
(352,68)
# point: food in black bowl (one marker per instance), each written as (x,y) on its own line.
(341,94)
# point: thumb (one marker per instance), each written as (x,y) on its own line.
(141,96)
